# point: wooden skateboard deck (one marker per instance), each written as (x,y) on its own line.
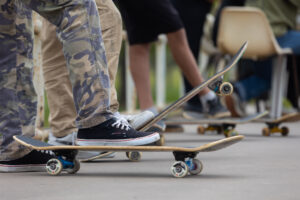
(185,157)
(221,125)
(214,83)
(274,124)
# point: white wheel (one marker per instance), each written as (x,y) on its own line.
(196,168)
(54,166)
(226,88)
(179,169)
(201,130)
(134,156)
(75,168)
(161,141)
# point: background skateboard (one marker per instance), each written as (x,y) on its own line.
(221,125)
(273,126)
(185,157)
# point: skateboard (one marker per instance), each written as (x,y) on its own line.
(221,125)
(65,156)
(214,83)
(274,124)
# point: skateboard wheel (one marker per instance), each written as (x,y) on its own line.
(134,156)
(179,169)
(227,133)
(54,166)
(201,130)
(161,141)
(226,89)
(75,168)
(196,167)
(230,133)
(284,131)
(266,132)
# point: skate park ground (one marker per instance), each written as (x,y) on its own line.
(256,168)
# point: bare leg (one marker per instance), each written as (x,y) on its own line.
(140,70)
(185,59)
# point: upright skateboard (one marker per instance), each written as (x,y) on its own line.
(274,124)
(65,156)
(215,83)
(224,126)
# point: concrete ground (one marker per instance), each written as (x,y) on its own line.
(259,167)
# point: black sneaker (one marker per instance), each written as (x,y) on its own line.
(114,132)
(35,161)
(193,111)
(216,109)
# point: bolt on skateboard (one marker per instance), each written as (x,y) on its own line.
(214,83)
(274,124)
(224,126)
(186,162)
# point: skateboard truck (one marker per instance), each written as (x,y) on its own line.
(274,128)
(227,129)
(221,88)
(185,163)
(65,160)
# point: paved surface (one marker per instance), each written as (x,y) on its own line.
(256,168)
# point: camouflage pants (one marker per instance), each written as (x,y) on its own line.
(80,33)
(56,76)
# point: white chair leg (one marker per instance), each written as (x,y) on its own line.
(279,78)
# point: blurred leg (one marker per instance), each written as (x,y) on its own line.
(140,69)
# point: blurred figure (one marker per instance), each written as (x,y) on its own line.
(193,15)
(144,21)
(282,17)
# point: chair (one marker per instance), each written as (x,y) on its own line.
(238,24)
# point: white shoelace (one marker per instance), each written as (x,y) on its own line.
(46,152)
(121,123)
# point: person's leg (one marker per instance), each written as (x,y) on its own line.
(17,96)
(184,58)
(140,70)
(290,40)
(79,30)
(57,84)
(63,113)
(193,15)
(93,56)
(253,86)
(111,26)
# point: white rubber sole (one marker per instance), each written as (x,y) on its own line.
(125,142)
